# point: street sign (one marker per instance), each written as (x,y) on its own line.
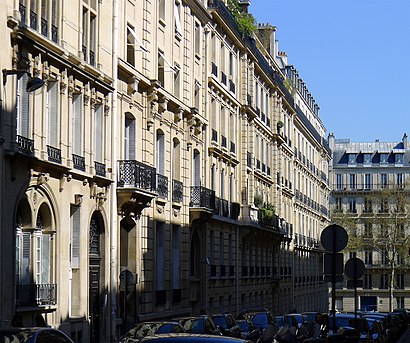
(354,268)
(334,238)
(333,261)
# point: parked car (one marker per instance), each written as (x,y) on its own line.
(201,325)
(264,321)
(376,331)
(144,329)
(191,338)
(227,325)
(33,335)
(249,330)
(349,320)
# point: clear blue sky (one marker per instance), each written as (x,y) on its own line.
(354,56)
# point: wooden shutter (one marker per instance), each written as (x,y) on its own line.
(131,140)
(75,237)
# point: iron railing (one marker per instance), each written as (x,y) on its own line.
(54,154)
(99,168)
(136,174)
(26,145)
(177,191)
(78,162)
(36,295)
(202,197)
(162,186)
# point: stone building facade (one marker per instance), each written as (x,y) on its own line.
(369,180)
(170,165)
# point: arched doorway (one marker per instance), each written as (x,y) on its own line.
(96,269)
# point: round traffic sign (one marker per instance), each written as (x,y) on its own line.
(334,238)
(354,268)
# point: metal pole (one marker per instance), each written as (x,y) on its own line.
(334,281)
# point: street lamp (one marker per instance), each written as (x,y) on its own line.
(33,83)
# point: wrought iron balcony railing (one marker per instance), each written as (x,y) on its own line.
(44,27)
(54,154)
(223,78)
(177,191)
(99,168)
(137,175)
(214,136)
(231,86)
(26,145)
(36,295)
(33,20)
(162,186)
(79,162)
(202,197)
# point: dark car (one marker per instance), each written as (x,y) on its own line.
(144,329)
(349,320)
(191,338)
(264,321)
(227,324)
(249,330)
(33,335)
(201,325)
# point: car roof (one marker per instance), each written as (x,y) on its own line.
(188,337)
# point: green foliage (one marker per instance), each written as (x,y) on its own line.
(279,124)
(267,212)
(258,200)
(246,21)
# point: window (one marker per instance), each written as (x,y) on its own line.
(160,256)
(177,17)
(77,122)
(384,255)
(23,108)
(368,229)
(75,237)
(46,10)
(129,137)
(161,10)
(367,158)
(197,88)
(197,39)
(398,158)
(338,204)
(352,178)
(400,302)
(161,68)
(339,181)
(99,128)
(177,80)
(384,180)
(384,281)
(352,205)
(368,257)
(384,158)
(52,113)
(197,169)
(400,180)
(176,256)
(89,33)
(368,281)
(352,158)
(400,281)
(367,181)
(368,207)
(160,148)
(221,249)
(131,45)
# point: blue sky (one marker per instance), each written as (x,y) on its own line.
(354,56)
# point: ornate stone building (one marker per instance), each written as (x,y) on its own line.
(170,165)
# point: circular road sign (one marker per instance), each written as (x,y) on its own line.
(354,268)
(334,238)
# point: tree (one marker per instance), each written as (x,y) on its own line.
(383,225)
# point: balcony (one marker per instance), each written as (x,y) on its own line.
(99,169)
(162,186)
(54,154)
(221,207)
(177,191)
(36,295)
(78,162)
(202,197)
(136,186)
(26,145)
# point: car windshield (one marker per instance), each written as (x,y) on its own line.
(348,321)
(220,321)
(260,319)
(243,325)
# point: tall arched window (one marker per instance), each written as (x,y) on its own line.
(197,169)
(160,148)
(176,162)
(129,137)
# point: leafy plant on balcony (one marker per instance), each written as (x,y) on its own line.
(267,213)
(246,21)
(258,200)
(279,124)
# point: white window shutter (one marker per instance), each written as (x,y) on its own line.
(52,102)
(77,124)
(24,108)
(25,261)
(45,258)
(99,133)
(75,237)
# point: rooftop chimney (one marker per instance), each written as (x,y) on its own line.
(244,4)
(284,57)
(266,35)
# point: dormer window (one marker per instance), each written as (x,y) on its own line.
(367,158)
(398,158)
(383,157)
(352,158)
